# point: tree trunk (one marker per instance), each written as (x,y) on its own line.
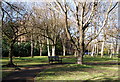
(102,48)
(11,54)
(97,50)
(48,47)
(40,46)
(64,50)
(53,47)
(80,58)
(10,63)
(53,50)
(40,49)
(108,51)
(82,47)
(75,53)
(32,46)
(92,54)
(117,51)
(111,50)
(110,55)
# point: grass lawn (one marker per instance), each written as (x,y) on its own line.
(79,72)
(68,71)
(97,72)
(22,63)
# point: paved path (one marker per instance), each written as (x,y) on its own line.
(25,75)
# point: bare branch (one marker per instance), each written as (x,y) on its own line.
(90,16)
(104,23)
(60,5)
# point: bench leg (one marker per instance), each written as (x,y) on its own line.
(60,61)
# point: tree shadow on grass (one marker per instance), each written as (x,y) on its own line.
(98,59)
(26,74)
(67,68)
(103,80)
(102,63)
(106,80)
(37,65)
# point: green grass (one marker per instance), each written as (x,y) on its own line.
(79,72)
(99,59)
(22,62)
(26,61)
(68,71)
(82,72)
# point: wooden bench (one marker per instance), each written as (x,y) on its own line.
(54,58)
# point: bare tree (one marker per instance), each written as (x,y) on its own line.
(12,27)
(83,14)
(49,25)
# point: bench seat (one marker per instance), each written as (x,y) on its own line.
(54,58)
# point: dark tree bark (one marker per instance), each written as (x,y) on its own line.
(10,63)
